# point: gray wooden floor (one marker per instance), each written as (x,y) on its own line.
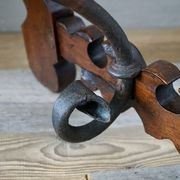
(160,173)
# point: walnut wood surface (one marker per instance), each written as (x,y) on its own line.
(41,45)
(160,122)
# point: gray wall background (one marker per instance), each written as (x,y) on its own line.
(129,13)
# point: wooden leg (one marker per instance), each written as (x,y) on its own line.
(39,32)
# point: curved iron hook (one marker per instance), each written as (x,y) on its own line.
(77,95)
(124,66)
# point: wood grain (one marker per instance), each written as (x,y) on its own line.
(154,44)
(161,120)
(41,44)
(43,156)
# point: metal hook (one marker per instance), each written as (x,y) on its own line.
(77,95)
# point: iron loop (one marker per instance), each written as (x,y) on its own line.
(77,95)
(124,66)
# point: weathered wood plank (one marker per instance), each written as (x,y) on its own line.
(43,156)
(158,173)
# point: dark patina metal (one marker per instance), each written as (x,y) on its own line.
(77,95)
